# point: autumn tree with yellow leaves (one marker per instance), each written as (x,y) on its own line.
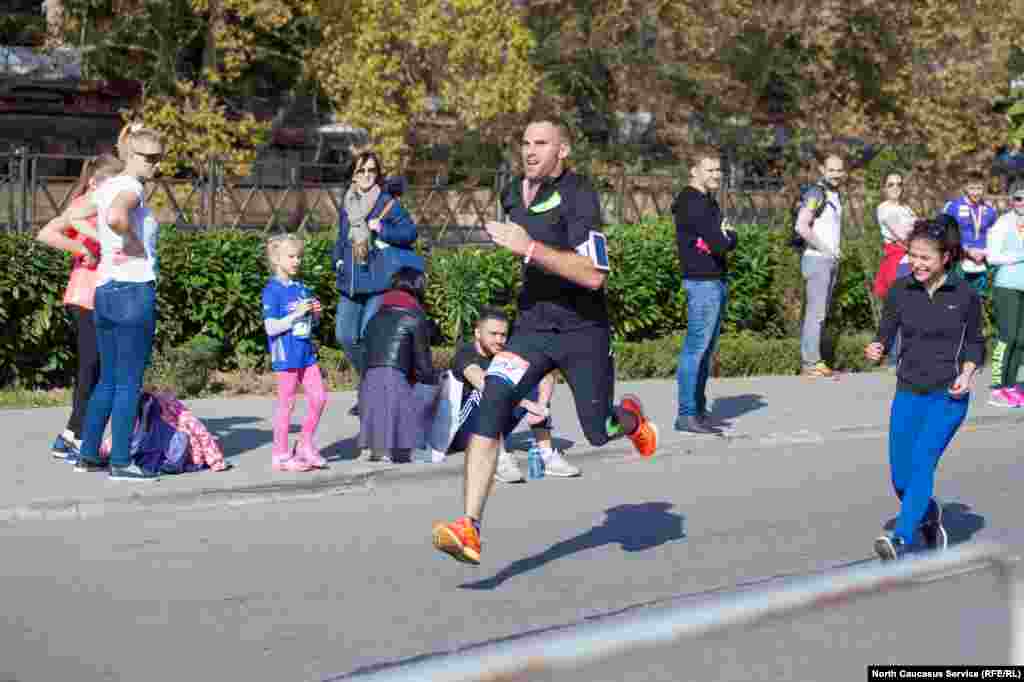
(196,60)
(390,66)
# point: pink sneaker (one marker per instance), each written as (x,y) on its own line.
(311,456)
(289,463)
(1016,394)
(1003,397)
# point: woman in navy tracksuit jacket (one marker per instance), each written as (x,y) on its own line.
(363,279)
(938,315)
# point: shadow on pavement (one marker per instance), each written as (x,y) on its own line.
(344,450)
(636,527)
(731,406)
(523,440)
(959,521)
(235,440)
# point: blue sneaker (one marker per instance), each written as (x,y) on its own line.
(132,472)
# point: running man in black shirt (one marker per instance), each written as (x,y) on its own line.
(555,225)
(938,316)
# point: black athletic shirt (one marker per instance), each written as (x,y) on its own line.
(939,333)
(561,216)
(465,356)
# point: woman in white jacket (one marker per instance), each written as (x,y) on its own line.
(1006,251)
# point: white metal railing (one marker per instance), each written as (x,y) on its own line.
(592,642)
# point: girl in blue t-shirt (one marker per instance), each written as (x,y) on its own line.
(289,314)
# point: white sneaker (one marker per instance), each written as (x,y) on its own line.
(508,469)
(555,465)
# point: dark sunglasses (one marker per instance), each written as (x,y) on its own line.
(1017,198)
(150,158)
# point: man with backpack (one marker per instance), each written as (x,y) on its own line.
(818,226)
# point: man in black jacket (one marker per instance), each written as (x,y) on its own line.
(704,239)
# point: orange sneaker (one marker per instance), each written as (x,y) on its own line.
(458,538)
(645,439)
(631,402)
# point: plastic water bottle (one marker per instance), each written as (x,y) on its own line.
(534,464)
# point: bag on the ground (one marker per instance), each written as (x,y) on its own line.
(796,240)
(157,447)
(169,439)
(446,416)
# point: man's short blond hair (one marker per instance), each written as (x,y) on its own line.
(564,134)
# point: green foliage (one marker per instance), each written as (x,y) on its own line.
(740,354)
(462,281)
(37,337)
(185,370)
(210,285)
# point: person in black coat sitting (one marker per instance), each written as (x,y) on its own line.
(393,414)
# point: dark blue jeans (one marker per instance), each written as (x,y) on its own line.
(705,303)
(125,324)
(920,429)
(354,314)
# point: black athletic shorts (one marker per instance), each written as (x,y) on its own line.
(585,359)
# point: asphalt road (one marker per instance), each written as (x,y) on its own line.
(317,589)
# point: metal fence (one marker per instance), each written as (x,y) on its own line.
(510,660)
(35,187)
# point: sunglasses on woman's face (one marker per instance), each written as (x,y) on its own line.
(153,158)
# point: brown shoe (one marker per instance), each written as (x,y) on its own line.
(816,371)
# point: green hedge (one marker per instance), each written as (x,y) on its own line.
(210,284)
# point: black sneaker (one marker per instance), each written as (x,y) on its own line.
(695,426)
(889,548)
(934,533)
(354,410)
(132,472)
(84,465)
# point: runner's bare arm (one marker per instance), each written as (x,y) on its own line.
(566,264)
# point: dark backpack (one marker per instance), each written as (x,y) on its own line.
(796,241)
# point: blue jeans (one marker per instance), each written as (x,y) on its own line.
(470,414)
(354,314)
(125,324)
(920,428)
(705,303)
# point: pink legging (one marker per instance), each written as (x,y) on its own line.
(316,397)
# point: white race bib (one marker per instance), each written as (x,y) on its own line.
(508,367)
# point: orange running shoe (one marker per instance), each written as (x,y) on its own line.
(645,438)
(458,538)
(631,402)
